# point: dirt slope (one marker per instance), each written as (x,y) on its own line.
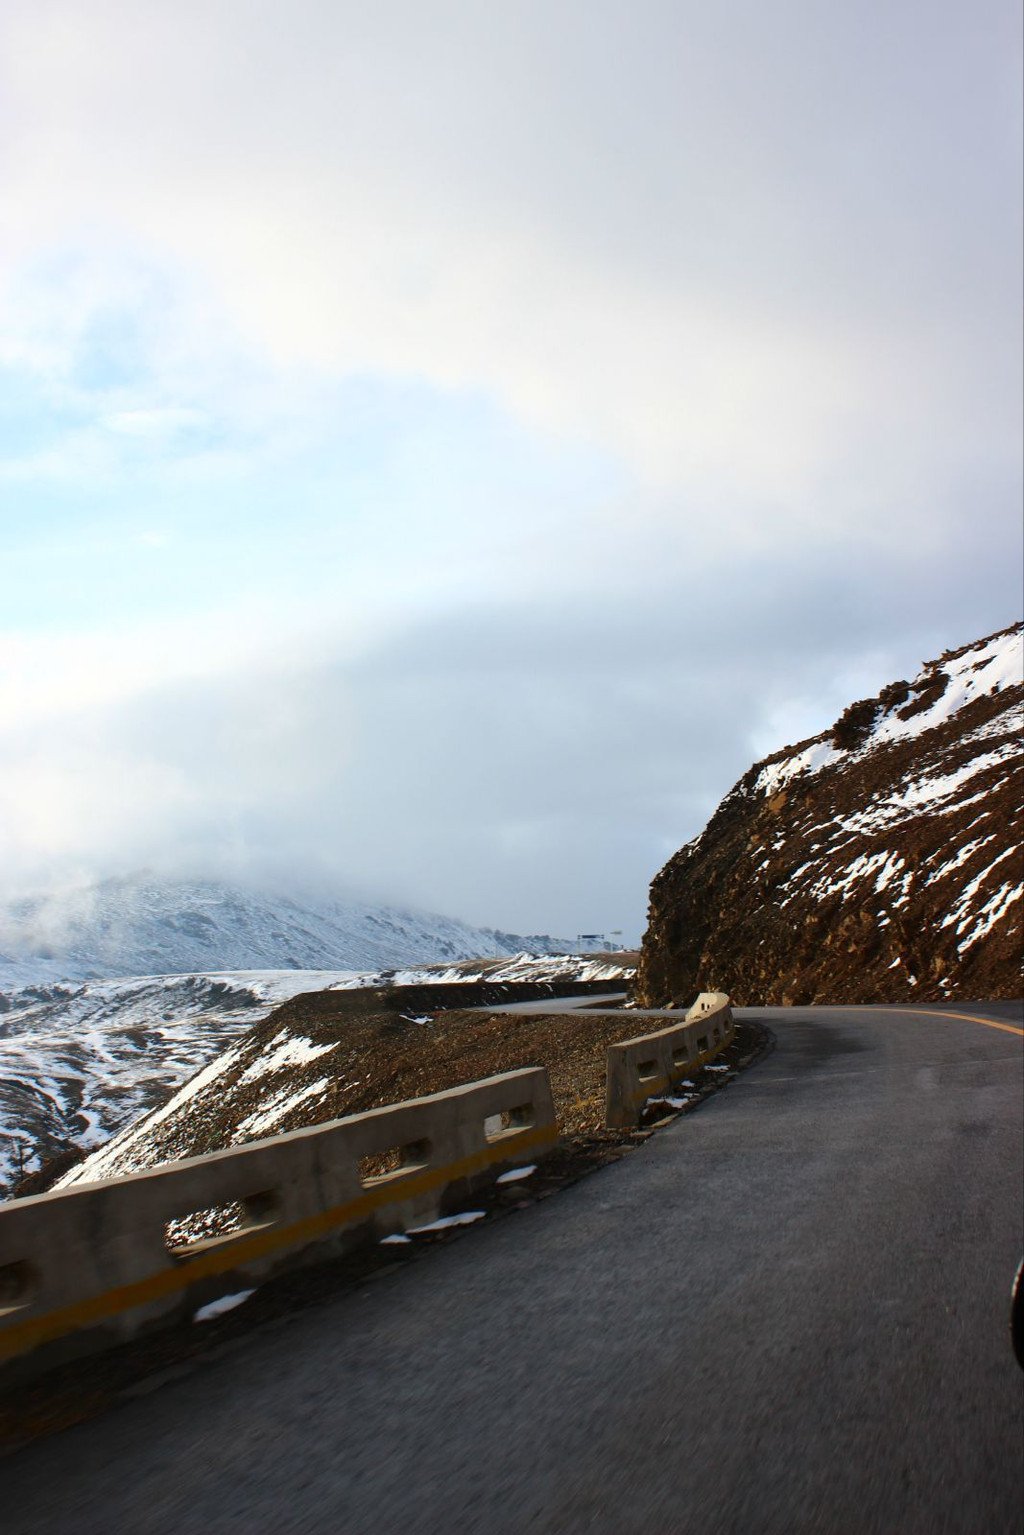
(326,1054)
(878,862)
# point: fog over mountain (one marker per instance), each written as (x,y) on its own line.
(147,926)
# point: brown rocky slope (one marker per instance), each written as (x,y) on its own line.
(878,862)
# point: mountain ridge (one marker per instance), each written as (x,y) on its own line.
(143,925)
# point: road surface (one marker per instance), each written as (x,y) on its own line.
(585,1004)
(785,1313)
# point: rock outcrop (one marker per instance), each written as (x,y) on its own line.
(878,862)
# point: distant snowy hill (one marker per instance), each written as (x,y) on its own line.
(149,926)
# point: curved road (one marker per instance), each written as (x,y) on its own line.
(785,1313)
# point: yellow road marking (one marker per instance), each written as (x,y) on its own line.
(934,1012)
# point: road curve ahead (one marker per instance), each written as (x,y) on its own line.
(785,1313)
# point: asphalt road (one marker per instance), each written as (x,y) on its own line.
(785,1313)
(549,1005)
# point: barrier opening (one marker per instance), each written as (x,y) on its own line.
(17,1283)
(702,1043)
(647,1070)
(508,1121)
(681,1056)
(187,1234)
(395,1162)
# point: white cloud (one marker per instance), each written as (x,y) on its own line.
(762,258)
(163,421)
(463,201)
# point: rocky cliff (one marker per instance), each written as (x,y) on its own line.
(878,862)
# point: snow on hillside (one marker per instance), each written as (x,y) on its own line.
(81,1061)
(276,1078)
(149,926)
(939,692)
(879,861)
(942,778)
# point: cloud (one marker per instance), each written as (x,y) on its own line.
(164,421)
(482,430)
(721,247)
(527,764)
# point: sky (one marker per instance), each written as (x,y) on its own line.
(443,444)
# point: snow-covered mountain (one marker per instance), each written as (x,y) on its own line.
(880,861)
(80,1061)
(149,926)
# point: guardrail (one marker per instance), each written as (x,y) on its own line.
(92,1265)
(641,1068)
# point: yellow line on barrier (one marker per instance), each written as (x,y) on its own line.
(657,1084)
(20,1337)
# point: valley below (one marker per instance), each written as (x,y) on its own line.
(82,1062)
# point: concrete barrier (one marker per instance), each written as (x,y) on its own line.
(89,1266)
(642,1068)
